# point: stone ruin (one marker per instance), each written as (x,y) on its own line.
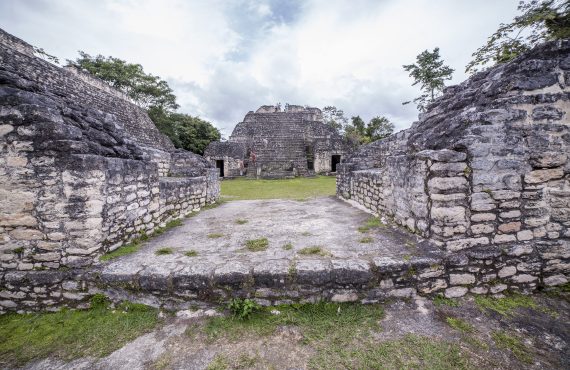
(275,143)
(484,174)
(482,179)
(83,170)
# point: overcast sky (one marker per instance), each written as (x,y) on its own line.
(225,58)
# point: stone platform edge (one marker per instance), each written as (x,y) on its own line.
(522,268)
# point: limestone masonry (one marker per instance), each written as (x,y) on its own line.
(82,169)
(275,143)
(485,170)
(481,181)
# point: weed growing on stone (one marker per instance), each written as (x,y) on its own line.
(218,363)
(191,253)
(18,250)
(288,246)
(371,223)
(215,235)
(314,250)
(512,343)
(169,225)
(246,361)
(257,245)
(366,240)
(243,308)
(130,248)
(306,233)
(440,300)
(505,306)
(459,324)
(163,251)
(241,221)
(70,334)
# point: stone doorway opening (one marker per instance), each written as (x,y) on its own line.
(220,166)
(335,159)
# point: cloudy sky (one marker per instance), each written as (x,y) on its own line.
(224,58)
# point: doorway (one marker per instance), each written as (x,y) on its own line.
(334,161)
(220,166)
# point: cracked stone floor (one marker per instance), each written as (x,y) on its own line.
(219,235)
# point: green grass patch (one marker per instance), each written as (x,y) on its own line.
(410,352)
(163,251)
(299,188)
(130,248)
(219,362)
(257,245)
(241,221)
(287,246)
(72,334)
(366,240)
(306,233)
(459,324)
(138,242)
(440,300)
(215,235)
(314,250)
(506,306)
(191,253)
(371,223)
(514,344)
(317,321)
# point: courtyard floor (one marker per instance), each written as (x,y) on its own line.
(252,231)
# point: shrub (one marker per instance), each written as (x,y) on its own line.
(257,245)
(243,308)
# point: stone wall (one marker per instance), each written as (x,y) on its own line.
(289,143)
(487,166)
(82,169)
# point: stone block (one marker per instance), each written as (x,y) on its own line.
(447,184)
(461,279)
(455,292)
(507,271)
(351,272)
(504,238)
(510,227)
(539,176)
(457,245)
(447,215)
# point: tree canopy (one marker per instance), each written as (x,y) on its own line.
(335,118)
(185,131)
(541,20)
(357,132)
(430,73)
(153,94)
(145,89)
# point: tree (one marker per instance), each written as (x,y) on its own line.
(430,72)
(541,20)
(186,132)
(145,89)
(379,128)
(334,118)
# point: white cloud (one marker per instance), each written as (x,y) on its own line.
(224,58)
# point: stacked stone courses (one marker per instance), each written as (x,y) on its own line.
(83,170)
(484,172)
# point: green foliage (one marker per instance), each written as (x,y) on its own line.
(314,250)
(241,221)
(71,334)
(18,250)
(163,251)
(145,89)
(506,306)
(299,188)
(440,300)
(243,308)
(334,118)
(257,245)
(288,246)
(215,235)
(124,250)
(185,131)
(366,239)
(378,128)
(99,300)
(371,223)
(512,343)
(191,253)
(459,324)
(430,73)
(539,21)
(44,55)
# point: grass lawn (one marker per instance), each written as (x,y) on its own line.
(70,334)
(301,188)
